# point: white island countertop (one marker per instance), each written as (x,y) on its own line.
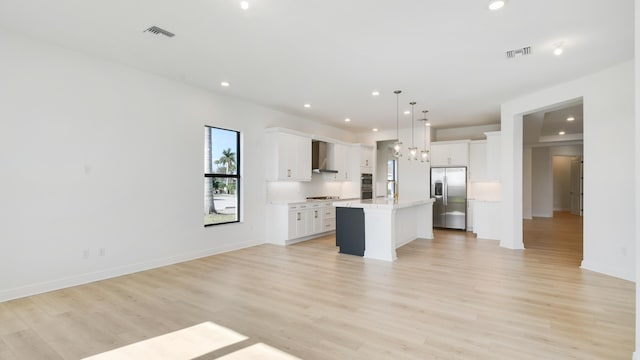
(382,203)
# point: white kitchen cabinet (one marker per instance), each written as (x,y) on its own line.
(339,158)
(450,153)
(478,160)
(328,217)
(366,159)
(493,156)
(299,218)
(470,206)
(291,157)
(315,216)
(291,223)
(486,219)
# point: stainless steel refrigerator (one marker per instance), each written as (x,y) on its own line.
(449,188)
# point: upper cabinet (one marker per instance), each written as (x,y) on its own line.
(478,160)
(338,158)
(366,158)
(450,153)
(493,155)
(484,158)
(289,156)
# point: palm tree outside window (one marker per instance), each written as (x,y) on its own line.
(221,176)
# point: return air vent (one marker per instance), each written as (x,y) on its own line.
(156,30)
(522,51)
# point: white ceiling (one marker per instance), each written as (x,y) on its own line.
(448,56)
(542,128)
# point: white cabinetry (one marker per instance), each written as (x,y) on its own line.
(315,215)
(450,153)
(486,219)
(478,160)
(493,155)
(290,223)
(291,155)
(470,206)
(366,158)
(328,217)
(299,218)
(339,156)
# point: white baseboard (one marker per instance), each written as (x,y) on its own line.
(593,267)
(39,288)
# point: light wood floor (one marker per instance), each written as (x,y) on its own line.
(454,297)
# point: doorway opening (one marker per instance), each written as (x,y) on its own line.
(553,180)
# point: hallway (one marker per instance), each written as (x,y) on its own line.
(560,237)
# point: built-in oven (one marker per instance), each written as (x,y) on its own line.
(366,186)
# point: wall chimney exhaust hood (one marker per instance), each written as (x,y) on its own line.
(319,158)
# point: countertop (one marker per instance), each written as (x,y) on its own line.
(303,201)
(382,203)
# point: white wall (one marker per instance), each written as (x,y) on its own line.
(561,183)
(413,176)
(485,191)
(97,155)
(541,183)
(609,236)
(286,191)
(463,133)
(637,166)
(527,163)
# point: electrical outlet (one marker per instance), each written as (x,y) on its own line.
(102,252)
(86,253)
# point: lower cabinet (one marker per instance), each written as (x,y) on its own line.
(298,219)
(290,223)
(315,214)
(328,218)
(486,219)
(350,231)
(470,207)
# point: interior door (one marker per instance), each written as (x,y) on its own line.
(456,198)
(576,188)
(437,192)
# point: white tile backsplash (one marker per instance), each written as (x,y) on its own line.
(282,191)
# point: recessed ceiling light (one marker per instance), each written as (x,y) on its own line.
(307,105)
(570,118)
(558,51)
(244,5)
(375,129)
(426,123)
(225,84)
(407,112)
(496,4)
(347,120)
(561,133)
(375,93)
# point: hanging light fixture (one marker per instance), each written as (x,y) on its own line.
(424,154)
(413,150)
(397,146)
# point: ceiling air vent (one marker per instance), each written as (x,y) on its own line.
(522,51)
(156,30)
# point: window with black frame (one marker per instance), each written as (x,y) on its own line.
(221,176)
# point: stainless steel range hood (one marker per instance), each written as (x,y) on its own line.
(319,157)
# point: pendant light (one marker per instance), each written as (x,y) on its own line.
(413,150)
(397,146)
(424,154)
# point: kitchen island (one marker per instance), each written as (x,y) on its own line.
(389,224)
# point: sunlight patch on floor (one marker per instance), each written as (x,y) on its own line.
(258,351)
(184,344)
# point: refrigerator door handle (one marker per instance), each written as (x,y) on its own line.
(445,193)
